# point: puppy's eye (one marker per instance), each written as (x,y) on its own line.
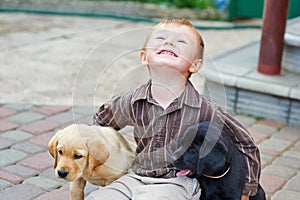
(76,156)
(60,152)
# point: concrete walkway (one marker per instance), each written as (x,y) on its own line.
(56,70)
(64,60)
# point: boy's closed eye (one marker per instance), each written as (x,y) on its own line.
(160,38)
(182,41)
(179,40)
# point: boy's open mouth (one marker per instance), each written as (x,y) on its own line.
(183,172)
(167,52)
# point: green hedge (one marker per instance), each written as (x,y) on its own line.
(201,4)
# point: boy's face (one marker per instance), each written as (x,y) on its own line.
(174,46)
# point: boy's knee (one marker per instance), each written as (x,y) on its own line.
(144,193)
(106,193)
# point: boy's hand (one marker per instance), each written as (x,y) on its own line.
(245,197)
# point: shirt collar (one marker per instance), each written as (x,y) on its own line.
(142,92)
(190,95)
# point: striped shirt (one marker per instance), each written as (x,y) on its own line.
(157,130)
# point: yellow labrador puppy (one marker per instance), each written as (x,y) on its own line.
(95,154)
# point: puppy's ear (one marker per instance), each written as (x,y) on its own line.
(214,161)
(98,153)
(52,147)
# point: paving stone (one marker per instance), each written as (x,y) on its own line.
(62,126)
(275,144)
(85,120)
(59,194)
(263,128)
(66,186)
(4,184)
(39,127)
(258,136)
(28,148)
(85,110)
(271,183)
(292,154)
(245,120)
(270,152)
(21,192)
(294,184)
(288,133)
(50,173)
(264,163)
(43,139)
(44,183)
(25,117)
(288,162)
(296,147)
(63,118)
(16,135)
(281,171)
(21,171)
(5,112)
(50,110)
(286,195)
(19,107)
(5,143)
(40,161)
(6,126)
(272,123)
(10,177)
(10,156)
(266,157)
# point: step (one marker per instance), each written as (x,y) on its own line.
(291,53)
(232,80)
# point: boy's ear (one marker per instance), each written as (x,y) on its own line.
(143,58)
(196,66)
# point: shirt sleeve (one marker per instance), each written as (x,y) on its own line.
(247,146)
(115,112)
(241,137)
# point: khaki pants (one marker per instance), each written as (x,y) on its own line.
(132,186)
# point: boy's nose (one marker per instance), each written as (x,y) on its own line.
(169,42)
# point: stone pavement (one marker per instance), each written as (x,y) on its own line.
(27,167)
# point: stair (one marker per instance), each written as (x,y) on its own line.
(232,80)
(291,53)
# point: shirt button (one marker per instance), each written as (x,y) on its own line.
(157,145)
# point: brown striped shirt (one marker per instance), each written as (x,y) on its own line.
(156,130)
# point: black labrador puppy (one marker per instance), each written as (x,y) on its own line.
(213,158)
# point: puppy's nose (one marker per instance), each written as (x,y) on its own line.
(62,173)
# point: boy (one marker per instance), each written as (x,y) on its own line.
(160,111)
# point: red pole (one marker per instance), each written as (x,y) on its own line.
(272,43)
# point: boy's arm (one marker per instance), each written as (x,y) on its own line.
(242,139)
(114,113)
(246,145)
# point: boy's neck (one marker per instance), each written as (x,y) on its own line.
(166,85)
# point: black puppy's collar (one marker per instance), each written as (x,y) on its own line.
(219,174)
